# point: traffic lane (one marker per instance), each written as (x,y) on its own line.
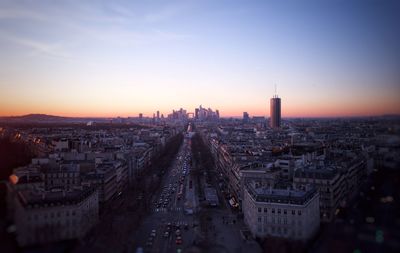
(167,181)
(142,237)
(159,243)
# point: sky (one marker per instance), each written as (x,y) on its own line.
(121,58)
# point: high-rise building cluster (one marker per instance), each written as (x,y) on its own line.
(180,114)
(206,114)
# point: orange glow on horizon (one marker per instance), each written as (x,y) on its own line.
(255,105)
(287,111)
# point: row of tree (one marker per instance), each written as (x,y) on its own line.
(12,154)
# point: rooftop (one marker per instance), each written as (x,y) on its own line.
(35,199)
(317,172)
(282,196)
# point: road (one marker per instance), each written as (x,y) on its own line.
(169,227)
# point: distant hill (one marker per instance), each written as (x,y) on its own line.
(34,118)
(44,118)
(40,117)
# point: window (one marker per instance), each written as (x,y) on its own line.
(259,219)
(293,212)
(284,211)
(279,211)
(299,212)
(273,210)
(259,209)
(265,210)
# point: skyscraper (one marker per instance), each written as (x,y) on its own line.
(275,112)
(245,117)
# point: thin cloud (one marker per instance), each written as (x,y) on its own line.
(53,50)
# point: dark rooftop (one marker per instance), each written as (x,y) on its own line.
(290,196)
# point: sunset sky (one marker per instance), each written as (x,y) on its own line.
(119,58)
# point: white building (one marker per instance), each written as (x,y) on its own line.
(61,144)
(330,184)
(51,216)
(290,214)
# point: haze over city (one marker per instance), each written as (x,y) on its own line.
(121,58)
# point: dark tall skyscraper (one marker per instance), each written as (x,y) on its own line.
(246,117)
(275,112)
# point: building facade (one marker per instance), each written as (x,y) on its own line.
(290,214)
(330,184)
(51,216)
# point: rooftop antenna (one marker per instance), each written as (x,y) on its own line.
(276,94)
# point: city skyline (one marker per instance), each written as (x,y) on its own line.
(330,59)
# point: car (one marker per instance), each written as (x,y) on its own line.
(166,234)
(149,243)
(177,232)
(178,240)
(153,233)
